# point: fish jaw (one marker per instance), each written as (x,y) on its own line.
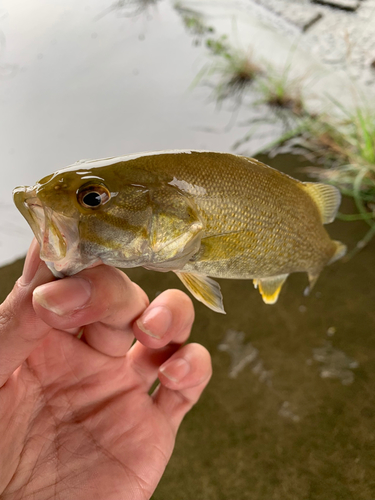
(57,234)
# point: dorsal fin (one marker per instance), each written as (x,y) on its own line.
(326,197)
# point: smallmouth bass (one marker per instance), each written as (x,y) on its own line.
(200,214)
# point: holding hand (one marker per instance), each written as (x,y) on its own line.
(76,417)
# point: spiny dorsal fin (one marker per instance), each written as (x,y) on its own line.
(326,197)
(270,287)
(204,289)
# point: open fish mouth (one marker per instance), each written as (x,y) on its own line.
(57,234)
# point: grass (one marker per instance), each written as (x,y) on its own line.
(281,92)
(194,22)
(234,70)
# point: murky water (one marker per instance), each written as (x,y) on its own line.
(92,80)
(290,411)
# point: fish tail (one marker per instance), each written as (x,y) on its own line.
(339,252)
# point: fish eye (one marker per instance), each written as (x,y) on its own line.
(93,196)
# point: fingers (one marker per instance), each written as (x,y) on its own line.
(163,326)
(101,300)
(183,371)
(168,318)
(183,378)
(20,329)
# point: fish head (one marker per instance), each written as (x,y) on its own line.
(80,218)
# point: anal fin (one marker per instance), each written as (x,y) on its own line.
(204,289)
(270,288)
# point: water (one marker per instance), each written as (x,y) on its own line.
(290,410)
(92,80)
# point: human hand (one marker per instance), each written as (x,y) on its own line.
(76,417)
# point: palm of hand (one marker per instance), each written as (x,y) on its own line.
(89,424)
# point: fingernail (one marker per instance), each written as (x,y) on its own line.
(176,369)
(31,264)
(63,296)
(155,321)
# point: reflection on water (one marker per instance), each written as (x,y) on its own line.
(241,354)
(287,412)
(335,363)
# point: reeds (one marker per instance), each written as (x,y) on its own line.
(281,92)
(233,70)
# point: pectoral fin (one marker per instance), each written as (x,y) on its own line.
(204,289)
(270,288)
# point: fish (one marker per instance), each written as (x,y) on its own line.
(200,214)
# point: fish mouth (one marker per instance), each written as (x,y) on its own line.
(57,234)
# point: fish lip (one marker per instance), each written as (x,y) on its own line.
(23,197)
(57,234)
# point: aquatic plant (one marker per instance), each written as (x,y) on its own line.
(194,22)
(281,92)
(234,69)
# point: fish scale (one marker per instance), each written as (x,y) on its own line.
(200,214)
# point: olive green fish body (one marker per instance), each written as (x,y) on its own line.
(200,214)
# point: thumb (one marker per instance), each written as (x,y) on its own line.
(20,328)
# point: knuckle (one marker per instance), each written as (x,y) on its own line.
(8,312)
